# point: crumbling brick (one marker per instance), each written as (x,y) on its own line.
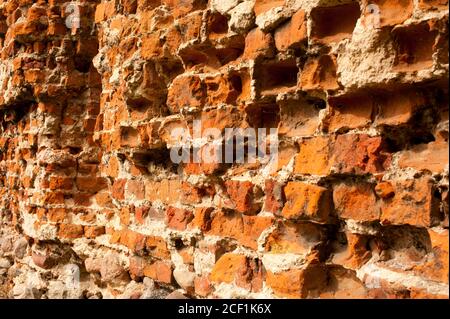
(356,205)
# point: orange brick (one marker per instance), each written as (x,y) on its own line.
(356,201)
(292,33)
(178,218)
(305,201)
(70,231)
(313,157)
(413,203)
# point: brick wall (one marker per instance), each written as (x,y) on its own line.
(357,207)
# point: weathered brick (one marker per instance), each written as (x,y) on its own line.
(360,154)
(274,200)
(356,201)
(295,238)
(299,117)
(258,44)
(394,12)
(292,33)
(433,4)
(240,269)
(262,6)
(436,268)
(93,231)
(157,247)
(335,23)
(244,195)
(245,229)
(413,203)
(91,184)
(350,111)
(414,45)
(306,201)
(399,108)
(178,218)
(70,231)
(57,215)
(357,206)
(118,189)
(167,191)
(135,189)
(355,252)
(319,74)
(298,283)
(202,286)
(426,157)
(314,156)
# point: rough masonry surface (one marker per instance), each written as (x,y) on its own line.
(91,206)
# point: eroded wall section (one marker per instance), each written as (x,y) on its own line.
(91,205)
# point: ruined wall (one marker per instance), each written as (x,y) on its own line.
(357,206)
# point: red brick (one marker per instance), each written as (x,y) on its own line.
(157,247)
(262,6)
(274,200)
(93,231)
(394,12)
(221,90)
(125,215)
(305,201)
(244,196)
(182,7)
(244,272)
(70,231)
(295,238)
(186,91)
(356,201)
(167,191)
(350,111)
(384,190)
(415,47)
(333,24)
(151,46)
(245,229)
(202,218)
(399,108)
(226,268)
(258,44)
(433,4)
(135,189)
(436,266)
(57,215)
(53,198)
(292,33)
(319,74)
(118,189)
(190,26)
(202,286)
(299,117)
(360,154)
(131,239)
(413,204)
(91,184)
(178,218)
(355,253)
(426,157)
(314,156)
(157,270)
(298,283)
